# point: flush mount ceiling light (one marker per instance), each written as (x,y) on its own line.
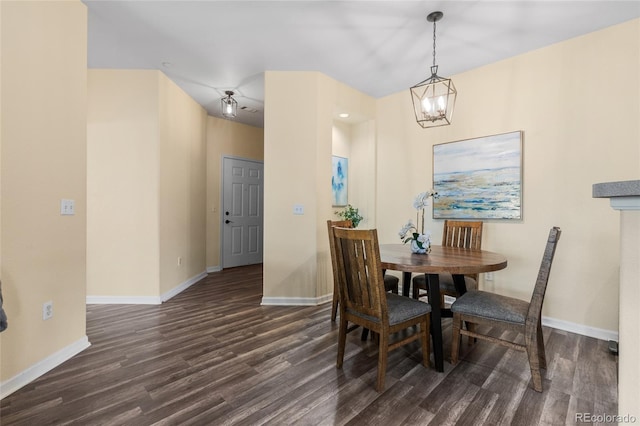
(434,98)
(229,105)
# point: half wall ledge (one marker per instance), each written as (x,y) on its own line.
(625,197)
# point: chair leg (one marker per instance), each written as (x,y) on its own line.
(541,353)
(334,304)
(342,340)
(416,292)
(455,339)
(383,351)
(425,340)
(365,334)
(532,353)
(471,327)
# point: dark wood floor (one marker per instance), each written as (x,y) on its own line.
(213,356)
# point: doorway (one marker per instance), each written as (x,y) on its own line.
(242,212)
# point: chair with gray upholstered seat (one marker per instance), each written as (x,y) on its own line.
(456,233)
(390,282)
(364,301)
(502,312)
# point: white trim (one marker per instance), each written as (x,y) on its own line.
(182,287)
(326,298)
(41,367)
(296,301)
(123,300)
(584,330)
(211,269)
(145,300)
(625,203)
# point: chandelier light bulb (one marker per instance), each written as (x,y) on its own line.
(426,106)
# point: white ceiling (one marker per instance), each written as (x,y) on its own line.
(376,47)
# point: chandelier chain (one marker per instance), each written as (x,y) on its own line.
(434,43)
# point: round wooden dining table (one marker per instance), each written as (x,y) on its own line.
(441,259)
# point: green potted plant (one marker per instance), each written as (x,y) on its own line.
(350,213)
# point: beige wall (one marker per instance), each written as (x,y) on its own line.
(182,186)
(123,159)
(146,185)
(291,178)
(362,171)
(225,138)
(299,132)
(577,103)
(44,56)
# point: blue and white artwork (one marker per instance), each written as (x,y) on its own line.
(339,173)
(479,178)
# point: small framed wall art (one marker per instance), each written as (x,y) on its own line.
(339,181)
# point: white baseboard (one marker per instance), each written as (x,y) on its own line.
(182,287)
(326,298)
(294,301)
(211,269)
(145,300)
(124,300)
(49,363)
(584,330)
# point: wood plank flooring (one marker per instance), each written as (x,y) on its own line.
(213,356)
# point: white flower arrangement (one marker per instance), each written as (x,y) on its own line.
(415,233)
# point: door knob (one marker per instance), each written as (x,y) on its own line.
(227,221)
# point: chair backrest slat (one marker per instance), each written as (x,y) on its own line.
(332,244)
(360,278)
(463,234)
(537,298)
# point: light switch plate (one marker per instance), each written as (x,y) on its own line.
(67,207)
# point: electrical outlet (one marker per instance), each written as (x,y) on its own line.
(47,310)
(488,276)
(298,209)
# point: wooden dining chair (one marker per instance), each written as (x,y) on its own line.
(456,233)
(390,282)
(508,313)
(364,300)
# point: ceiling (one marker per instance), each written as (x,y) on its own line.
(376,47)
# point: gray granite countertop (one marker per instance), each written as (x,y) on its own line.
(627,188)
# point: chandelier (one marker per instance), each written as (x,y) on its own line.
(229,105)
(434,98)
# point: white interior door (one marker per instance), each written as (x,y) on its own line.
(242,212)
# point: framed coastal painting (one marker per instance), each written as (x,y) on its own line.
(339,175)
(479,178)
